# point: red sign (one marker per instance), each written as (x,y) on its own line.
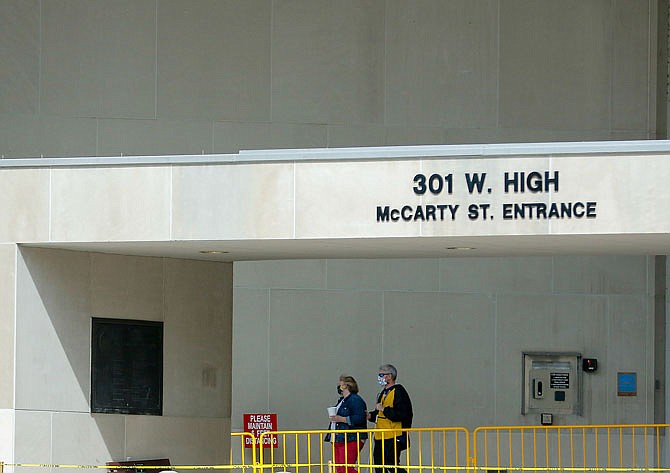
(256,424)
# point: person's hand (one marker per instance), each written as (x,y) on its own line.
(368,416)
(338,419)
(380,408)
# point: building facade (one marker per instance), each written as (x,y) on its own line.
(337,245)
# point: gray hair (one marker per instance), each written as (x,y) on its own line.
(389,369)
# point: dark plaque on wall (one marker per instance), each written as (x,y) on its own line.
(126,366)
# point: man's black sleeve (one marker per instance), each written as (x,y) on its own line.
(402,408)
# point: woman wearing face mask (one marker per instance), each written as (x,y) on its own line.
(351,414)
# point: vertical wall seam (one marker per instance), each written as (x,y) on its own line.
(164,278)
(50,193)
(499,35)
(550,166)
(125,438)
(608,380)
(439,275)
(652,66)
(421,200)
(666,307)
(649,334)
(15,320)
(51,436)
(325,274)
(386,82)
(269,347)
(382,324)
(294,200)
(156,60)
(610,114)
(650,309)
(272,22)
(163,314)
(665,76)
(170,200)
(495,356)
(39,59)
(651,60)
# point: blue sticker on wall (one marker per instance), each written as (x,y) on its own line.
(627,384)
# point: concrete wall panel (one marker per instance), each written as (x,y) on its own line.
(545,323)
(7,324)
(53,331)
(33,438)
(127,287)
(328,61)
(107,204)
(631,90)
(197,362)
(453,82)
(605,181)
(231,202)
(98,58)
(443,347)
(294,274)
(356,135)
(462,339)
(153,137)
(214,60)
(554,59)
(35,136)
(379,274)
(57,294)
(400,135)
(24,209)
(251,351)
(173,438)
(630,325)
(621,275)
(496,275)
(19,58)
(86,439)
(231,137)
(349,193)
(275,74)
(7,434)
(343,330)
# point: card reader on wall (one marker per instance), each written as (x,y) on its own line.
(589,364)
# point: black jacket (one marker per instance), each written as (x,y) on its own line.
(401,410)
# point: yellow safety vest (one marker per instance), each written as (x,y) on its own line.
(384,423)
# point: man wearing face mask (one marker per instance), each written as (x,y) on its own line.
(393,411)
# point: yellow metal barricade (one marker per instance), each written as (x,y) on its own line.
(583,448)
(508,449)
(429,450)
(243,451)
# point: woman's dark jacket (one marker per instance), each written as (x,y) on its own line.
(354,409)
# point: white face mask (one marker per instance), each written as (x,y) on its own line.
(382,381)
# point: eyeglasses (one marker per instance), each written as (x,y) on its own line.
(381,375)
